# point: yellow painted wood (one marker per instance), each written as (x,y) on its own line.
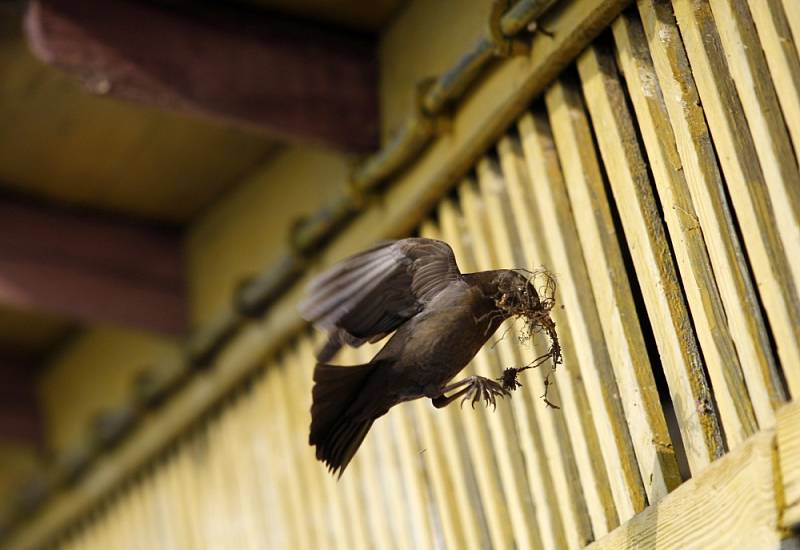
(653,265)
(705,302)
(732,504)
(387,510)
(105,153)
(788,441)
(286,473)
(491,246)
(445,463)
(78,383)
(705,185)
(793,19)
(476,428)
(518,167)
(501,422)
(775,38)
(632,189)
(584,186)
(264,442)
(771,143)
(552,472)
(490,106)
(337,511)
(236,240)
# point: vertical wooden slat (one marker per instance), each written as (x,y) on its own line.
(266,468)
(652,260)
(518,168)
(606,271)
(699,164)
(337,508)
(782,57)
(768,127)
(492,251)
(286,472)
(748,188)
(298,390)
(500,421)
(384,470)
(444,461)
(793,20)
(552,472)
(475,423)
(701,289)
(371,484)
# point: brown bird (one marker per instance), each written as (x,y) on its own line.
(441,317)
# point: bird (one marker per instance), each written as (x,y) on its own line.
(440,318)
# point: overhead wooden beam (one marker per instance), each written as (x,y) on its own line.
(19,414)
(293,79)
(91,268)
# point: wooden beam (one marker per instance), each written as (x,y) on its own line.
(290,78)
(90,268)
(19,415)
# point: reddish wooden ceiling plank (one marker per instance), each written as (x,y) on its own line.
(294,80)
(91,269)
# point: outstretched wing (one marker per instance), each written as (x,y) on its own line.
(369,295)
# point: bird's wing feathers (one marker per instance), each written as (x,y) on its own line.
(369,295)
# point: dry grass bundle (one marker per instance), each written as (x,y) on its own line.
(532,304)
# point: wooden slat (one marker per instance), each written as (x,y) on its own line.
(365,474)
(653,264)
(732,504)
(552,471)
(285,473)
(447,465)
(614,302)
(492,248)
(475,423)
(793,19)
(529,204)
(782,57)
(380,468)
(788,440)
(700,167)
(501,423)
(91,268)
(749,186)
(264,443)
(342,518)
(753,82)
(702,292)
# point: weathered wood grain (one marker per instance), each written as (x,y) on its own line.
(217,63)
(699,163)
(652,259)
(746,184)
(599,246)
(539,439)
(533,203)
(706,304)
(501,423)
(788,441)
(732,504)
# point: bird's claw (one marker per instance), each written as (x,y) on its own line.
(483,389)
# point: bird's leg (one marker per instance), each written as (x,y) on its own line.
(481,389)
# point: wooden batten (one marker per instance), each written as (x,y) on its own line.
(85,267)
(217,63)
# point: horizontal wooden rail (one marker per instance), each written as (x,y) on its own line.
(747,499)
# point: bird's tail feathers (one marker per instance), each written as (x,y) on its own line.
(337,428)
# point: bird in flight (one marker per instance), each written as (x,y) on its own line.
(440,318)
